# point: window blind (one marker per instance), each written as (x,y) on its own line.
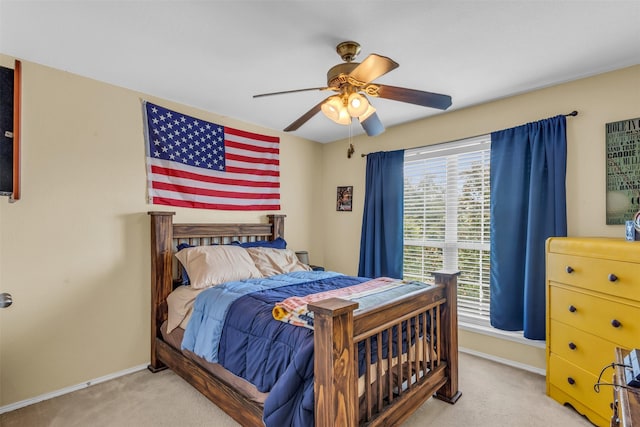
(446,218)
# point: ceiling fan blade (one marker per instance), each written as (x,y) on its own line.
(291,91)
(373,67)
(305,117)
(412,96)
(372,125)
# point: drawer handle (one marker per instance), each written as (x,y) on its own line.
(613,277)
(572,346)
(616,323)
(571,381)
(572,309)
(569,269)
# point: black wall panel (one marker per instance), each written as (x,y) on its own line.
(6,130)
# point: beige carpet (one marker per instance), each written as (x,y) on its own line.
(492,395)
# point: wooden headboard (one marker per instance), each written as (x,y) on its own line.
(165,236)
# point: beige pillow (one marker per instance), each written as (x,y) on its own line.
(180,306)
(271,261)
(212,265)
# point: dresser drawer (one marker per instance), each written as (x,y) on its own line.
(613,321)
(580,348)
(617,278)
(611,248)
(579,383)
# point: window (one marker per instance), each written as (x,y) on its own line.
(446,219)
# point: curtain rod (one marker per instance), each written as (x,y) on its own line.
(571,114)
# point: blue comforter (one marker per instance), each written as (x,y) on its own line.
(275,356)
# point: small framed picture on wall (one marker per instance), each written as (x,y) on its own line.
(344,197)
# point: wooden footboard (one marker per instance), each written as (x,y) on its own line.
(396,384)
(393,385)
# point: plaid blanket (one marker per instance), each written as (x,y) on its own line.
(294,309)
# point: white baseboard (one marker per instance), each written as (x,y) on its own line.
(508,362)
(51,395)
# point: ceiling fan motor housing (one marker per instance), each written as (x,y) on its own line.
(338,74)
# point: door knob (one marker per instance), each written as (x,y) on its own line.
(5,300)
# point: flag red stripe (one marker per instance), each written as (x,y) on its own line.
(215,180)
(250,135)
(200,205)
(248,159)
(185,189)
(258,172)
(249,147)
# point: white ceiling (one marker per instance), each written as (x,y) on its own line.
(215,55)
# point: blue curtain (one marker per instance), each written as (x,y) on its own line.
(528,205)
(381,240)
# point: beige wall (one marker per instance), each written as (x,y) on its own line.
(599,100)
(75,249)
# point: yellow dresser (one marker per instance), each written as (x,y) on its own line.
(593,306)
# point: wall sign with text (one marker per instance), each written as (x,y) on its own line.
(623,170)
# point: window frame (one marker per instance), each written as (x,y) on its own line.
(452,153)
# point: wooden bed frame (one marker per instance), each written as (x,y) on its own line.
(396,390)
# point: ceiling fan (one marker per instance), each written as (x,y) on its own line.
(353,83)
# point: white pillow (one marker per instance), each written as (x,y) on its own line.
(212,265)
(271,261)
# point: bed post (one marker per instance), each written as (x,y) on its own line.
(335,384)
(161,278)
(449,323)
(277,222)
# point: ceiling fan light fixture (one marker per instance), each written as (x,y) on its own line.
(334,109)
(368,112)
(345,118)
(331,107)
(357,104)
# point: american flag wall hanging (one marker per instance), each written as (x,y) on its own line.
(198,164)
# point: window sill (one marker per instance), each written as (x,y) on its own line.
(497,333)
